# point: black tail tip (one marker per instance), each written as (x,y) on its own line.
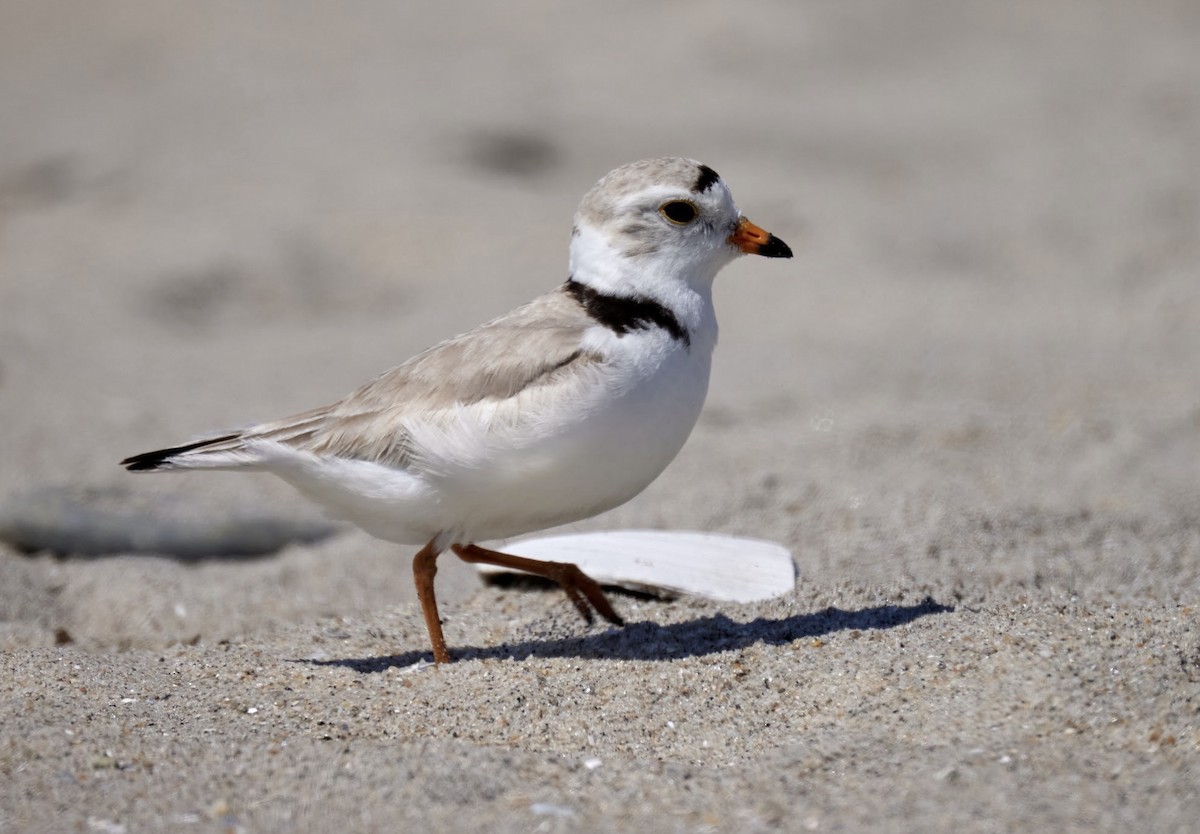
(147,461)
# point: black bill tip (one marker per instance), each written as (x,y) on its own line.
(774,248)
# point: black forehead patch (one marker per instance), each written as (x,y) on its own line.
(706,179)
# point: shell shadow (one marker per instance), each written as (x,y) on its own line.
(650,641)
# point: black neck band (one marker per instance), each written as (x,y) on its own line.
(621,314)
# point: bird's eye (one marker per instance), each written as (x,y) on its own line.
(679,212)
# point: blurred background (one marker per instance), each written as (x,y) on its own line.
(982,363)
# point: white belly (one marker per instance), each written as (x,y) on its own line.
(557,462)
(596,463)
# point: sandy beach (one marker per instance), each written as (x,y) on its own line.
(970,406)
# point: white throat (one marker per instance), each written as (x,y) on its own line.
(678,283)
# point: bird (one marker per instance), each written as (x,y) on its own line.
(561,409)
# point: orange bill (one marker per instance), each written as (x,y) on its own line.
(754,240)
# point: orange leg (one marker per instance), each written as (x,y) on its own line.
(581,589)
(424,569)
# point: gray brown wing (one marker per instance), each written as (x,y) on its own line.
(537,344)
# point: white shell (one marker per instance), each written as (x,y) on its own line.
(710,565)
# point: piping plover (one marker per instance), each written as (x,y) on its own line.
(562,409)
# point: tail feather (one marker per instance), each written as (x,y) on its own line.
(162,458)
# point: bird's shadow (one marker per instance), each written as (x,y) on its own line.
(650,641)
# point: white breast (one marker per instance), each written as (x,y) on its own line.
(594,448)
(549,456)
